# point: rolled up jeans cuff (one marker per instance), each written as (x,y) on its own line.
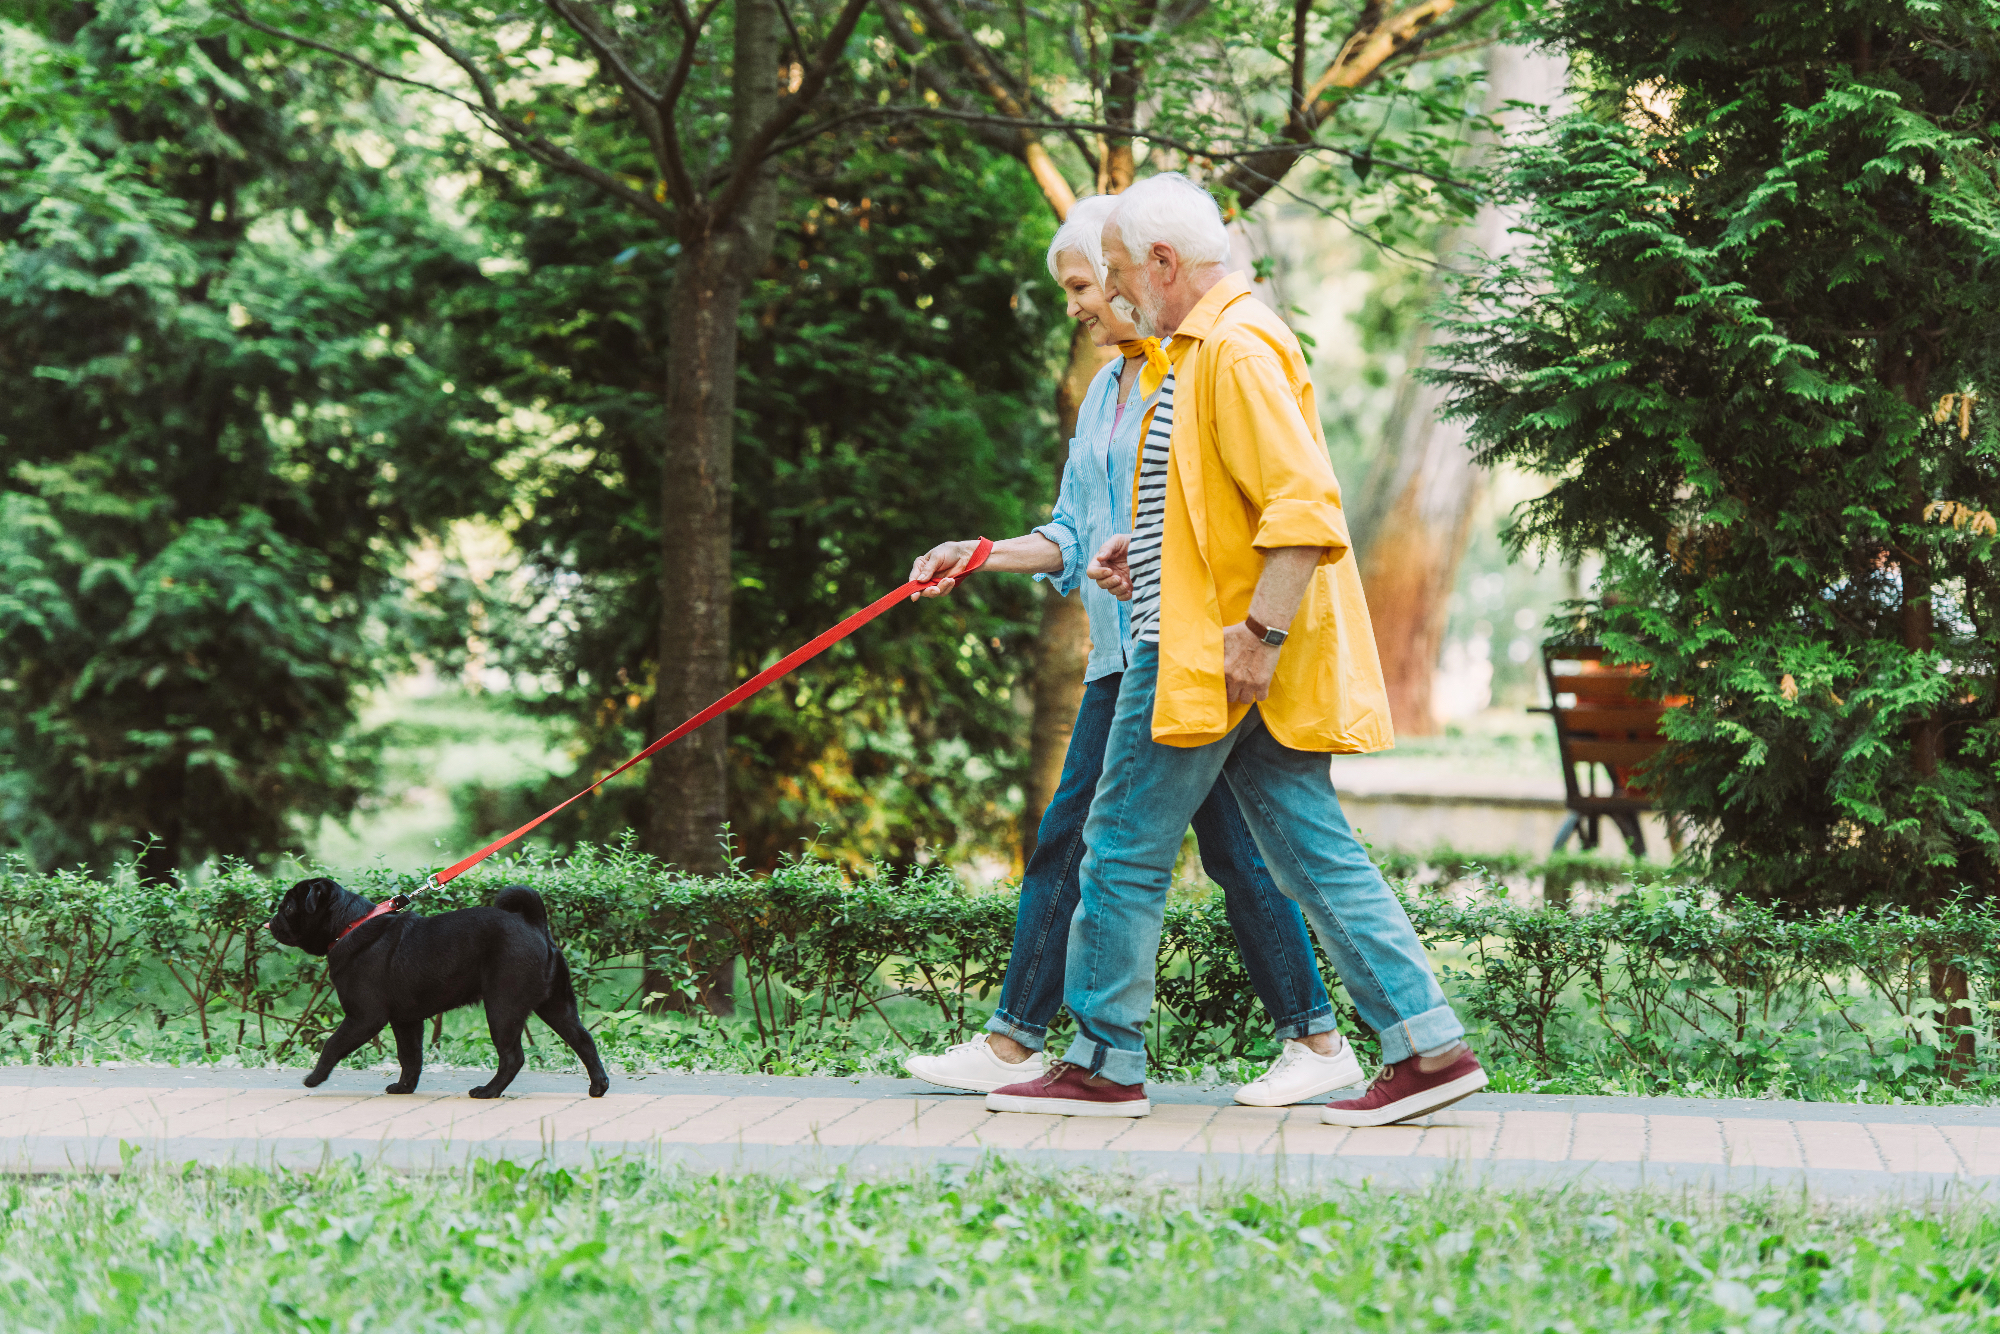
(1120,1067)
(1420,1032)
(1034,1039)
(1307,1024)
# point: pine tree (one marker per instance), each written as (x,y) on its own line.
(1754,346)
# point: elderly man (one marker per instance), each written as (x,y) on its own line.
(1253,658)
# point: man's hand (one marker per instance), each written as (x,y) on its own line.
(1248,664)
(1109,569)
(946,558)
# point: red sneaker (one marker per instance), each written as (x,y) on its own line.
(1065,1090)
(1405,1089)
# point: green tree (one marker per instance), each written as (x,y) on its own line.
(888,356)
(217,434)
(1754,347)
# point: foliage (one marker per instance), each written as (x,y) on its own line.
(888,374)
(629,1245)
(217,433)
(1657,987)
(1752,346)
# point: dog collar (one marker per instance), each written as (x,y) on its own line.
(382,909)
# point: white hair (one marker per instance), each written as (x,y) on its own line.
(1082,233)
(1170,209)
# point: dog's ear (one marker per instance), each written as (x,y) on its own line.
(315,897)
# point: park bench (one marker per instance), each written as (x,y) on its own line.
(1602,728)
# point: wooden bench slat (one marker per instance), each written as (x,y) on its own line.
(1603,687)
(1636,720)
(1618,754)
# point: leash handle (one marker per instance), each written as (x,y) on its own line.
(797,658)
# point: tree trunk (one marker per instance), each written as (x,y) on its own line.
(687,788)
(1062,643)
(1416,513)
(1951,988)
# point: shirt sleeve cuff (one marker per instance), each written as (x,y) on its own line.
(1303,523)
(1072,557)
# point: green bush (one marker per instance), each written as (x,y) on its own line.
(1658,986)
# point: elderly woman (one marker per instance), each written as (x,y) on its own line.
(1095,504)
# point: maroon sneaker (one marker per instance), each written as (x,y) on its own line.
(1405,1089)
(1065,1090)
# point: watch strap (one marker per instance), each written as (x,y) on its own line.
(1274,638)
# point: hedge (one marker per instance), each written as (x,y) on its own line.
(1660,977)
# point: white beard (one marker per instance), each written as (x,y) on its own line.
(1143,320)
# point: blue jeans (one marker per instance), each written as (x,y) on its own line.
(1142,804)
(1269,931)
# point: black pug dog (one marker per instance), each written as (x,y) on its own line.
(400,970)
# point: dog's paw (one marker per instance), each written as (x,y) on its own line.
(400,1087)
(486,1091)
(314,1080)
(597,1088)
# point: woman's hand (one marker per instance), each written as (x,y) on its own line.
(1109,570)
(946,558)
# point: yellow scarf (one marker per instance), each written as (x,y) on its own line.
(1154,373)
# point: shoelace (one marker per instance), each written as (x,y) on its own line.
(1294,1053)
(1288,1058)
(1055,1072)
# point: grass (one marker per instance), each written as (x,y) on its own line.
(630,1246)
(631,1041)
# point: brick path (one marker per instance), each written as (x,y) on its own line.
(52,1120)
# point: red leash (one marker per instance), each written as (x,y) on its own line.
(784,666)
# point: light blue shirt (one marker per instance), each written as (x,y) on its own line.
(1094,505)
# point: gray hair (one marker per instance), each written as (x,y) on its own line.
(1082,233)
(1170,209)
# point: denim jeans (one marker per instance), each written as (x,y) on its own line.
(1143,802)
(1269,931)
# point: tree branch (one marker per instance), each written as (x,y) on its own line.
(680,183)
(645,101)
(507,127)
(1121,99)
(1246,156)
(1359,62)
(585,25)
(932,76)
(1295,121)
(993,77)
(798,42)
(758,147)
(1055,188)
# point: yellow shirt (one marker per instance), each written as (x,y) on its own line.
(1249,474)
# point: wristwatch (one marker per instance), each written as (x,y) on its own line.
(1275,638)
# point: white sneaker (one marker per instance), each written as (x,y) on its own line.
(972,1066)
(1300,1074)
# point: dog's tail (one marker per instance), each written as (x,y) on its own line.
(524,902)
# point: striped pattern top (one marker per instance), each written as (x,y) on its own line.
(1149,524)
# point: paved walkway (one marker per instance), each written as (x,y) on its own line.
(66,1119)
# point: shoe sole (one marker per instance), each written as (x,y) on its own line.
(1013,1102)
(1345,1079)
(972,1085)
(1417,1104)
